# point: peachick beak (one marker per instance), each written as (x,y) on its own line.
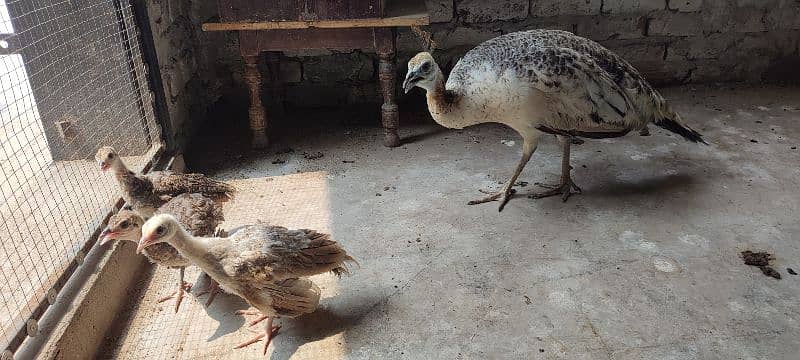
(103,166)
(143,243)
(106,236)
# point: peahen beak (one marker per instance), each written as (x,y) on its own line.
(410,81)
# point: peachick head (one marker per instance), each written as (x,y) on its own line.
(158,229)
(106,157)
(422,72)
(124,225)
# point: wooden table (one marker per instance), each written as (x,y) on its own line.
(282,25)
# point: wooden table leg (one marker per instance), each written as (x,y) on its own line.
(258,116)
(275,94)
(390,116)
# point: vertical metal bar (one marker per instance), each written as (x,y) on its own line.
(147,42)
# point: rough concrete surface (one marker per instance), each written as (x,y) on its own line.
(644,264)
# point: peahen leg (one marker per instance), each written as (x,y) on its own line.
(566,187)
(505,194)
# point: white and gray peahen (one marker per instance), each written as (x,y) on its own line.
(543,82)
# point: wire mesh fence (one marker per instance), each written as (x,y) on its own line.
(72,79)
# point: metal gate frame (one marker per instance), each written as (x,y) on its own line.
(162,118)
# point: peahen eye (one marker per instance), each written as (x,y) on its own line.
(161,230)
(125,224)
(425,67)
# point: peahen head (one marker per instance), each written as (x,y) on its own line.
(422,72)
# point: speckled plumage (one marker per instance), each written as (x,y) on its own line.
(197,213)
(559,81)
(146,192)
(266,265)
(544,81)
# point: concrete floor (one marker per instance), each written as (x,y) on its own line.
(644,265)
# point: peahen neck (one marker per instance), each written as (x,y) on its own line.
(444,104)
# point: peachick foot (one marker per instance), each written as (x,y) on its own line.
(268,334)
(178,294)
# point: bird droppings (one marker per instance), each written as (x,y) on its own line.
(508,142)
(756,258)
(348,161)
(753,141)
(761,260)
(634,240)
(313,156)
(793,148)
(527,299)
(769,271)
(541,350)
(378,194)
(665,264)
(791,271)
(278,161)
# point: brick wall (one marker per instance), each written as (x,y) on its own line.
(670,41)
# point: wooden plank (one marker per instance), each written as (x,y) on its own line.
(398,14)
(404,21)
(253,42)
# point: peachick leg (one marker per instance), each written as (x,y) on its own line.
(505,194)
(566,187)
(212,290)
(178,294)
